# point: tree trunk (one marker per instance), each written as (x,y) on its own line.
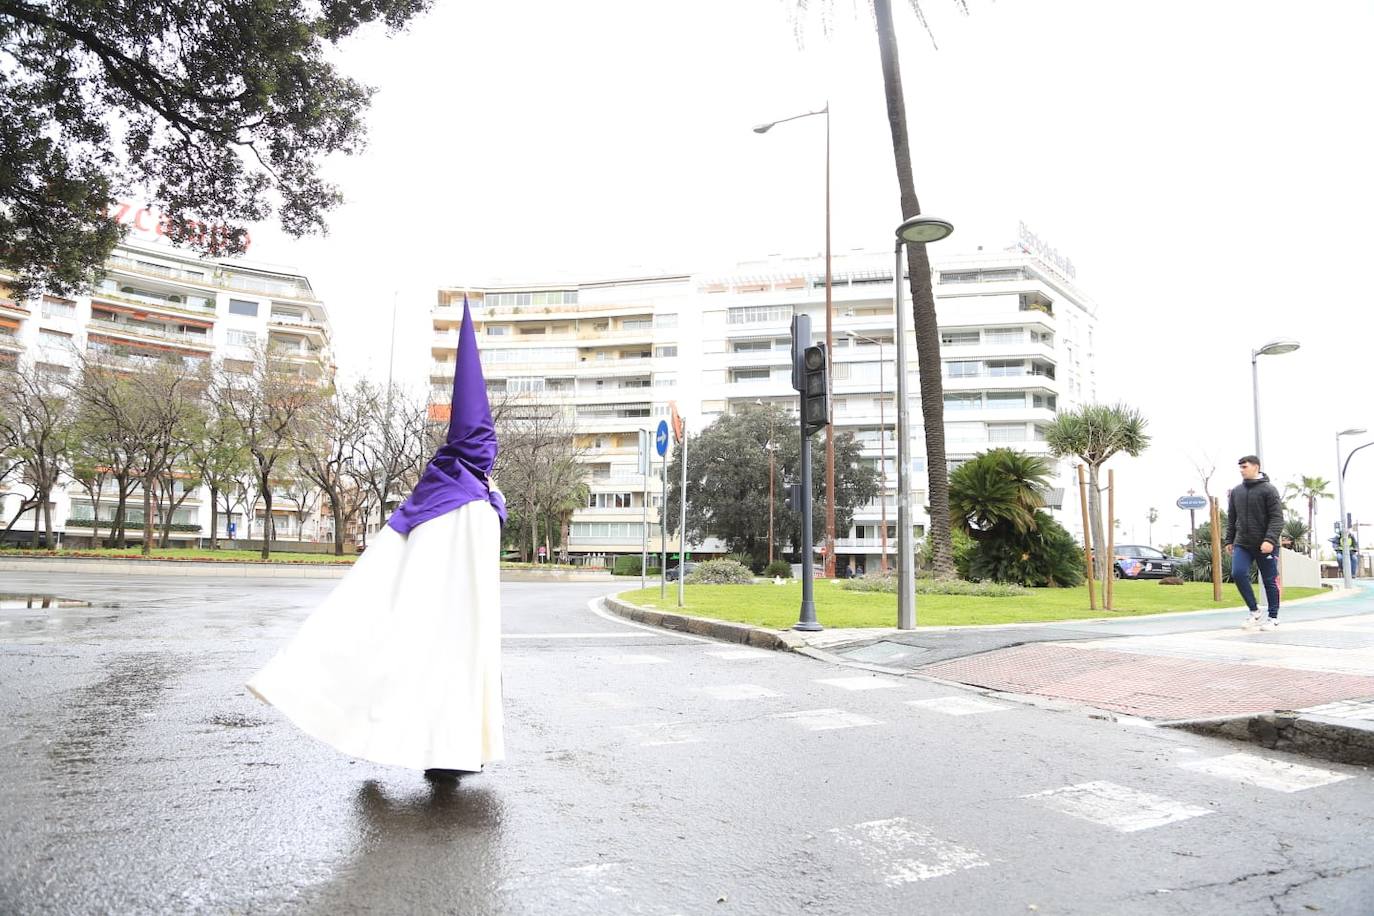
(1102,564)
(336,505)
(147,515)
(266,519)
(117,527)
(1311,520)
(923,307)
(47,523)
(214,517)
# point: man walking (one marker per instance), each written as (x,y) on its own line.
(1254,518)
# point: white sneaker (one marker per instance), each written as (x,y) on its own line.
(1270,624)
(1252,621)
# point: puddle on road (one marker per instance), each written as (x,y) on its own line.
(34,601)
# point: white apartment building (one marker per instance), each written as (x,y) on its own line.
(156,302)
(1017,346)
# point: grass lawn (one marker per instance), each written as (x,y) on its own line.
(186,553)
(776,606)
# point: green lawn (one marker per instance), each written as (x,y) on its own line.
(776,606)
(187,553)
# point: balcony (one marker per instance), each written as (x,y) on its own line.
(300,323)
(142,332)
(137,363)
(157,270)
(285,289)
(198,306)
(9,342)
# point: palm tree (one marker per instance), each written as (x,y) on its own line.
(998,490)
(1310,489)
(1094,433)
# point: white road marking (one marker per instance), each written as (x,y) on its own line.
(658,734)
(958,706)
(858,683)
(611,700)
(571,636)
(633,659)
(818,720)
(594,606)
(738,692)
(1116,806)
(737,655)
(900,852)
(1265,773)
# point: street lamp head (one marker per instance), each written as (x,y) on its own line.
(924,229)
(764,128)
(1357,431)
(1277,347)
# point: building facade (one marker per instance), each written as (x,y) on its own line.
(1017,346)
(155,302)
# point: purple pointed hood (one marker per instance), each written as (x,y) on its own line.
(458,473)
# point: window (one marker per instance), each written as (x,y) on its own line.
(239,338)
(1043,401)
(961,401)
(1004,335)
(58,308)
(665,379)
(48,338)
(498,330)
(751,375)
(1006,432)
(665,351)
(555,297)
(759,314)
(608,501)
(241,307)
(531,355)
(1003,368)
(638,324)
(1006,400)
(964,369)
(529,331)
(958,338)
(665,321)
(751,346)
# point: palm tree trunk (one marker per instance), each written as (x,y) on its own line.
(1311,519)
(1102,564)
(922,304)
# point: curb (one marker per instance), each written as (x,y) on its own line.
(117,567)
(1311,735)
(783,641)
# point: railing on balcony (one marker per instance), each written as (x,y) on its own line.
(269,287)
(157,270)
(141,330)
(299,321)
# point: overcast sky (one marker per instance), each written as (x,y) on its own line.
(1205,165)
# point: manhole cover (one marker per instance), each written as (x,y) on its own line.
(886,653)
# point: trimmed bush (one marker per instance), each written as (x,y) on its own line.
(626,566)
(778,568)
(937,587)
(720,572)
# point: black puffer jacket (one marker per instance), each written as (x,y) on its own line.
(1254,514)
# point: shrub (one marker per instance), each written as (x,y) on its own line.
(962,546)
(778,568)
(937,587)
(1171,580)
(1044,556)
(721,572)
(627,565)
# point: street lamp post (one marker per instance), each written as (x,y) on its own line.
(1343,553)
(882,445)
(829,345)
(1272,348)
(915,230)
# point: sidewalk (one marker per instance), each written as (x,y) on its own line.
(1307,686)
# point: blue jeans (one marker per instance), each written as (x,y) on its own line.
(1268,564)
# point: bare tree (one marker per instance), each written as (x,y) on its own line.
(36,410)
(397,445)
(109,422)
(540,466)
(327,447)
(168,395)
(268,403)
(219,455)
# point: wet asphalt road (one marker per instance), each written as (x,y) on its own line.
(646,773)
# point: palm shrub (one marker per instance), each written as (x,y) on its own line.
(961,546)
(778,568)
(721,572)
(995,500)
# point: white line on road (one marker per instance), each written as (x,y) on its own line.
(571,636)
(739,655)
(634,659)
(1116,806)
(859,683)
(1265,773)
(900,852)
(738,692)
(958,706)
(819,720)
(595,607)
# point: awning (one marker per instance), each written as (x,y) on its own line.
(11,323)
(145,315)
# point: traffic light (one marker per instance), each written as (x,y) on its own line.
(794,497)
(815,395)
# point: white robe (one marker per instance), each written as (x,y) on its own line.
(401,664)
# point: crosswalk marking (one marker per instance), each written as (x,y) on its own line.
(899,852)
(658,734)
(1116,806)
(634,659)
(1265,773)
(817,720)
(738,692)
(736,655)
(958,706)
(858,683)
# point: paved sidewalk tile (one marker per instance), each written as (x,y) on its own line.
(1158,687)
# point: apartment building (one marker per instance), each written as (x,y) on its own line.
(155,302)
(1016,347)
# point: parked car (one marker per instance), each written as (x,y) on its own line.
(1136,561)
(674,570)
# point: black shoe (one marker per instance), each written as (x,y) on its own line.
(437,774)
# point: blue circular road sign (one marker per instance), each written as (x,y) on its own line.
(1192,502)
(661,438)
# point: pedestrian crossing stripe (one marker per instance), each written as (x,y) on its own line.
(1277,775)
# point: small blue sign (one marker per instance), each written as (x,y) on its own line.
(1192,502)
(661,438)
(232,529)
